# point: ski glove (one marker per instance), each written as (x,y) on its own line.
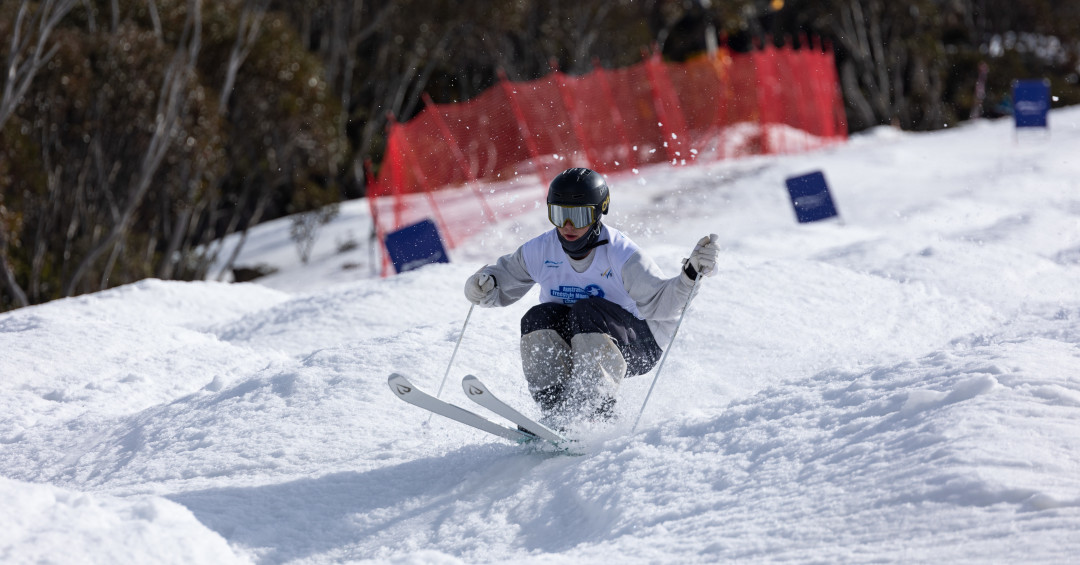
(702,259)
(481,289)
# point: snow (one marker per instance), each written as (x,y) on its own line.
(899,386)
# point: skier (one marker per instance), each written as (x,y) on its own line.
(603,303)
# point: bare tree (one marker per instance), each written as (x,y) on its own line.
(871,47)
(16,290)
(171,105)
(29,50)
(247,32)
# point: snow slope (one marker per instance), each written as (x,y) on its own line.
(902,386)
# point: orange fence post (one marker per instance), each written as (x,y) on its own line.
(373,191)
(391,188)
(397,166)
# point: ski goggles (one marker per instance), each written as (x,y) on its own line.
(579,216)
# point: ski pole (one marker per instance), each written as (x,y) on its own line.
(452,355)
(656,376)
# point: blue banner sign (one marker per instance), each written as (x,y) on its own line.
(1031,102)
(412,247)
(810,197)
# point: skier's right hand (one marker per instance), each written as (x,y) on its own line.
(481,289)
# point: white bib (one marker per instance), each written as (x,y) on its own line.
(549,266)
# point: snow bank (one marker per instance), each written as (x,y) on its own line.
(901,386)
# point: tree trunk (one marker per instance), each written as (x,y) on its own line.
(247,32)
(16,291)
(21,66)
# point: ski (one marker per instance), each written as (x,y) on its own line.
(408,392)
(480,394)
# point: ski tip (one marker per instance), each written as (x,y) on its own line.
(399,384)
(472,386)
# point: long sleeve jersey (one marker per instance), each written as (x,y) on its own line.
(617,271)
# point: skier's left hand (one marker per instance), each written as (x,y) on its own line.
(702,259)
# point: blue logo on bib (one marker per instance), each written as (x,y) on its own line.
(571,294)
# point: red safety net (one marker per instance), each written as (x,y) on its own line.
(470,164)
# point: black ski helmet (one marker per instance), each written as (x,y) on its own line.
(581,187)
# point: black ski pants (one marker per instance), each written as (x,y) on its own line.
(597,315)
